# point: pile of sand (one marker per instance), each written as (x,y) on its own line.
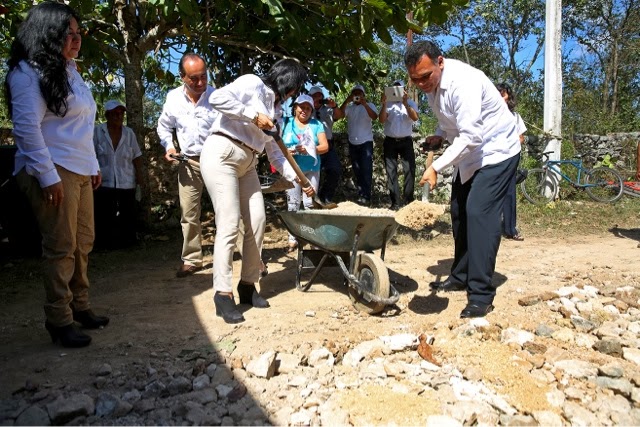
(350,208)
(418,215)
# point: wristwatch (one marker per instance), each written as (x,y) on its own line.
(255,119)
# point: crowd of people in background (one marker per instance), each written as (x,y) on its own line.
(73,170)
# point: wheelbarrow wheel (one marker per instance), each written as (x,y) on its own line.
(374,276)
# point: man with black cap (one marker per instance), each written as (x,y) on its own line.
(120,162)
(330,170)
(398,117)
(360,115)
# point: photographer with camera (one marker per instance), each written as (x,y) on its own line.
(360,115)
(327,112)
(398,117)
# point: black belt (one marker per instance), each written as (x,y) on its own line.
(404,138)
(238,142)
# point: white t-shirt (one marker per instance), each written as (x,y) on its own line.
(398,123)
(359,125)
(116,166)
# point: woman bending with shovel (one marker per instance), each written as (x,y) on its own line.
(228,161)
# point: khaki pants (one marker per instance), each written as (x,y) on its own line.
(67,238)
(229,171)
(190,188)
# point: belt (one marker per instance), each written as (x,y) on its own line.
(404,138)
(238,142)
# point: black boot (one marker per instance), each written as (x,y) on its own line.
(69,335)
(89,320)
(226,308)
(249,295)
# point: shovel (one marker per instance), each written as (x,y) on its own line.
(426,188)
(304,182)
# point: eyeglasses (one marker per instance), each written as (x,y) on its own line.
(196,79)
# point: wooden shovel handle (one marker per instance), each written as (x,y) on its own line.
(301,176)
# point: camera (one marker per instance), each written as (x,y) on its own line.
(324,101)
(356,99)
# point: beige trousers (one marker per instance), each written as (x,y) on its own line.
(229,172)
(190,188)
(67,238)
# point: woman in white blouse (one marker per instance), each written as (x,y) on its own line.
(53,115)
(228,161)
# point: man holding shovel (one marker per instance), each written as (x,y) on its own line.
(485,150)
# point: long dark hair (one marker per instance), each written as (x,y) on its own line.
(511,100)
(285,76)
(39,42)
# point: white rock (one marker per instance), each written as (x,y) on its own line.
(372,348)
(555,398)
(264,366)
(631,354)
(564,335)
(428,366)
(297,381)
(585,340)
(612,309)
(567,291)
(321,356)
(547,418)
(401,342)
(223,390)
(579,416)
(569,305)
(310,313)
(201,382)
(590,291)
(352,358)
(518,336)
(467,390)
(286,363)
(301,418)
(442,421)
(577,368)
(479,322)
(634,328)
(584,307)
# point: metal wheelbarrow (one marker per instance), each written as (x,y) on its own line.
(337,238)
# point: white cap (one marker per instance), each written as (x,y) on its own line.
(398,83)
(356,87)
(113,104)
(315,89)
(304,98)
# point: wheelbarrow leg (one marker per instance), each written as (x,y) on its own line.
(301,267)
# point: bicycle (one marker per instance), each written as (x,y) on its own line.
(541,185)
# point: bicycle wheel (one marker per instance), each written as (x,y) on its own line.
(539,187)
(603,184)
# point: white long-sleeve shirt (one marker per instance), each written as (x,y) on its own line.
(44,139)
(474,117)
(192,122)
(238,103)
(116,166)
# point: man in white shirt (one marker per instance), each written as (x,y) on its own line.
(327,112)
(187,112)
(120,162)
(360,115)
(485,150)
(398,118)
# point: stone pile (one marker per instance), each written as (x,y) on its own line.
(586,358)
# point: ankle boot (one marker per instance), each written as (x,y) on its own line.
(69,335)
(89,320)
(226,308)
(249,295)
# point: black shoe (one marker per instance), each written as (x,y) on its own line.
(226,308)
(447,286)
(394,207)
(249,295)
(89,320)
(476,310)
(363,202)
(69,335)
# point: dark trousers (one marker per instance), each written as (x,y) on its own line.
(115,216)
(330,174)
(476,209)
(362,164)
(509,210)
(403,148)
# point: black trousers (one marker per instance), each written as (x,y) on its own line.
(403,148)
(115,217)
(476,210)
(330,174)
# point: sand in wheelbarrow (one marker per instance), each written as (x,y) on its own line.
(419,215)
(350,208)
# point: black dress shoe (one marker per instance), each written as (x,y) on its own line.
(69,335)
(476,310)
(226,308)
(89,320)
(249,295)
(447,286)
